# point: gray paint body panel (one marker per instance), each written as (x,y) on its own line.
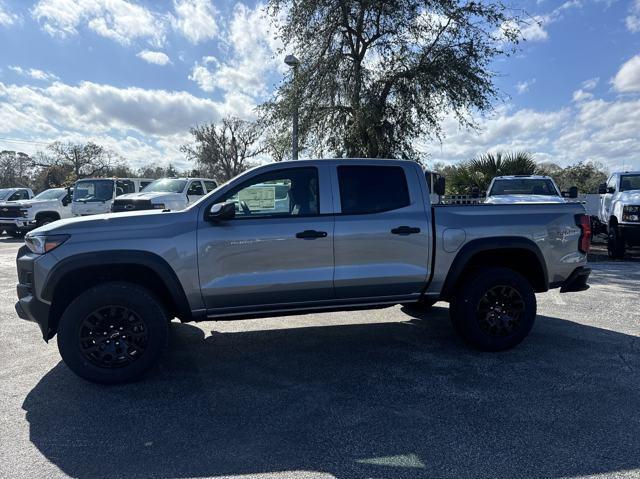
(249,264)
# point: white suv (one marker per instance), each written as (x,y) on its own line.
(19,217)
(166,194)
(620,211)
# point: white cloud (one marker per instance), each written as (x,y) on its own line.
(33,73)
(6,17)
(195,19)
(535,31)
(243,77)
(633,19)
(103,108)
(142,125)
(119,20)
(524,86)
(581,95)
(627,80)
(590,130)
(157,58)
(591,83)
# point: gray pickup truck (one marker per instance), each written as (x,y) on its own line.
(292,237)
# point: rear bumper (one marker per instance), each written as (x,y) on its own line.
(577,281)
(630,233)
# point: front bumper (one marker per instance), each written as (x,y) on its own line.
(630,233)
(28,306)
(20,224)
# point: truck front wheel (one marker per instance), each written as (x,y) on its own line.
(493,309)
(615,243)
(112,333)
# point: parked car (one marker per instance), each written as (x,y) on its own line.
(342,242)
(525,189)
(21,216)
(9,195)
(165,193)
(92,196)
(620,211)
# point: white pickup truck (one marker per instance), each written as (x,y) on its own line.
(18,217)
(166,193)
(7,197)
(525,189)
(620,211)
(92,196)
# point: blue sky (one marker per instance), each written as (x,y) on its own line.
(135,75)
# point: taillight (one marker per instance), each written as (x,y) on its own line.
(584,243)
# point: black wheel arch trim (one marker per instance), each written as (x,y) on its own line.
(469,250)
(120,257)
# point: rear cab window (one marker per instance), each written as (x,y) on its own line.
(367,189)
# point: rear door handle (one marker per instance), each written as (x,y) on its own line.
(405,230)
(311,234)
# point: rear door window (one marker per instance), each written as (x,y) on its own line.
(195,189)
(372,189)
(210,185)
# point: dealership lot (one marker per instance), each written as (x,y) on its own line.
(390,393)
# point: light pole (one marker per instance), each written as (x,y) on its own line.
(293,62)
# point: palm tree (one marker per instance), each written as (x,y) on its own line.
(481,170)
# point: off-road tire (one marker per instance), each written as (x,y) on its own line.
(472,299)
(134,305)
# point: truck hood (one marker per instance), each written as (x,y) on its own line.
(631,197)
(110,223)
(515,199)
(158,196)
(33,202)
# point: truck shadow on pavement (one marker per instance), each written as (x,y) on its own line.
(384,400)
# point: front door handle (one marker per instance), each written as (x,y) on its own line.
(311,234)
(405,230)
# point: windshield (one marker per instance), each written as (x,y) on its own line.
(165,186)
(4,194)
(629,182)
(524,186)
(93,190)
(52,194)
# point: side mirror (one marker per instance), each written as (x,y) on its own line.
(602,189)
(439,186)
(573,192)
(222,212)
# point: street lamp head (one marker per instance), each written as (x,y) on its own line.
(291,60)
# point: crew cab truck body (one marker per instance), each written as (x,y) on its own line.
(92,196)
(516,189)
(165,193)
(22,216)
(108,284)
(620,211)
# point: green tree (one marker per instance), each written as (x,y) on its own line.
(479,172)
(223,150)
(374,75)
(15,169)
(585,175)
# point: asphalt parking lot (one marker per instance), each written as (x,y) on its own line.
(380,394)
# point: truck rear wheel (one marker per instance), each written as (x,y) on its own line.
(615,243)
(493,309)
(113,333)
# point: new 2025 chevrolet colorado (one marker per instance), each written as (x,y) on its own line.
(302,236)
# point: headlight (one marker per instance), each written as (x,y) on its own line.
(631,213)
(41,244)
(158,206)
